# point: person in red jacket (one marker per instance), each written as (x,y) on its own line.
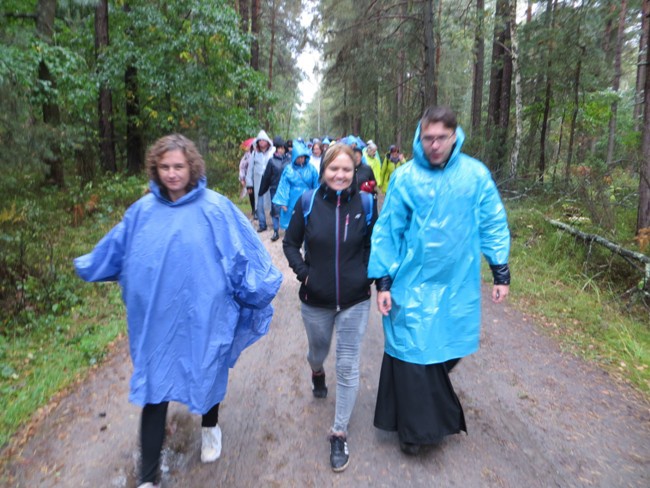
(334,288)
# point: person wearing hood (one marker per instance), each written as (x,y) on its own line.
(263,152)
(296,178)
(316,154)
(326,143)
(373,160)
(364,176)
(391,162)
(334,291)
(197,284)
(271,180)
(441,212)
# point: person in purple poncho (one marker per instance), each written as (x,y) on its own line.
(197,284)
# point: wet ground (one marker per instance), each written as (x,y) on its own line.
(536,417)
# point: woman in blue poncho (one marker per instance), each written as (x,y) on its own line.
(197,284)
(296,178)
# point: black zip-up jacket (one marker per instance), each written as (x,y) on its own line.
(272,174)
(337,248)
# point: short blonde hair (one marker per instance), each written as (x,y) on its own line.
(333,151)
(175,142)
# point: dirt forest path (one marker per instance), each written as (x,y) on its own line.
(536,417)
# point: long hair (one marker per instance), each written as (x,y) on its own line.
(174,142)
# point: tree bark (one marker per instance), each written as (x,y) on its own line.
(616,82)
(255,31)
(105,100)
(134,140)
(548,92)
(641,67)
(514,42)
(500,83)
(479,66)
(643,213)
(51,113)
(244,14)
(429,57)
(272,46)
(134,143)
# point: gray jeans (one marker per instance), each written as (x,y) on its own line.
(350,326)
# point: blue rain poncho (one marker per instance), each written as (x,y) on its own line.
(294,182)
(197,283)
(432,229)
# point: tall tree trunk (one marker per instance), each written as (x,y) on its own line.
(500,83)
(51,113)
(401,82)
(643,213)
(548,92)
(642,63)
(479,64)
(576,109)
(616,82)
(255,31)
(429,57)
(438,45)
(244,14)
(272,47)
(134,142)
(105,100)
(514,43)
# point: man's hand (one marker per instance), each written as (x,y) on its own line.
(500,292)
(250,190)
(384,302)
(284,208)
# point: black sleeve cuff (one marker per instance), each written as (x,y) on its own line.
(383,284)
(501,274)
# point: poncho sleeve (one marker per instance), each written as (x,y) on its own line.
(104,263)
(284,188)
(388,234)
(493,229)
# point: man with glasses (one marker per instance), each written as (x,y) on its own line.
(441,212)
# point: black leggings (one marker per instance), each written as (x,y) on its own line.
(152,436)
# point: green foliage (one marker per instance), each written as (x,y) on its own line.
(581,294)
(53,326)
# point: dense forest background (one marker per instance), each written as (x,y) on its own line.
(546,90)
(553,95)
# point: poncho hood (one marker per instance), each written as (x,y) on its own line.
(300,149)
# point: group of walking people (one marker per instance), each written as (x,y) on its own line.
(198,283)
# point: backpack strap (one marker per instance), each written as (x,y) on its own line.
(368,202)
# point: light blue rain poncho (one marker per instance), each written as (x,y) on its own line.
(432,229)
(294,182)
(197,283)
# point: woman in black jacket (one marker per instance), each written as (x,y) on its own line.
(335,290)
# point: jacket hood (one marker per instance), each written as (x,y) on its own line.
(188,197)
(300,149)
(418,151)
(263,136)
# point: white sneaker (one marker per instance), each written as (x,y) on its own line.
(148,484)
(210,444)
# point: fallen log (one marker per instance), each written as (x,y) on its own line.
(637,256)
